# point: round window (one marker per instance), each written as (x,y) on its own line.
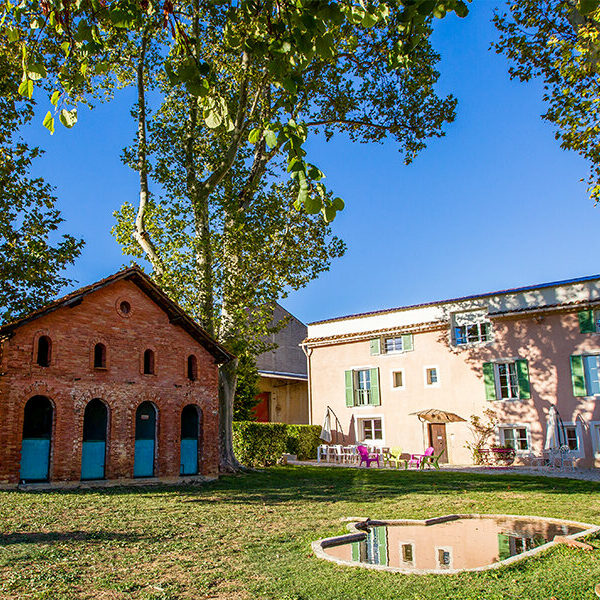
(125,307)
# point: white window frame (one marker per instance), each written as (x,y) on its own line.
(384,340)
(502,440)
(580,452)
(358,429)
(406,563)
(497,364)
(354,388)
(437,372)
(482,318)
(398,387)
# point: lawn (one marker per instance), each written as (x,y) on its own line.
(249,536)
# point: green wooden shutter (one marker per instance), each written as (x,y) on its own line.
(586,321)
(489,381)
(349,388)
(356,551)
(375,346)
(407,342)
(381,533)
(503,546)
(578,376)
(374,394)
(523,379)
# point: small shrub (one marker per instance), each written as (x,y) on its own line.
(259,444)
(303,440)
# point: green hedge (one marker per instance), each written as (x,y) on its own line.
(259,444)
(262,444)
(303,440)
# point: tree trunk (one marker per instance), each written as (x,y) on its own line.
(228,463)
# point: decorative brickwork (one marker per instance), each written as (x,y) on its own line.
(71,381)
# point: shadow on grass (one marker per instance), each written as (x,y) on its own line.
(54,537)
(322,484)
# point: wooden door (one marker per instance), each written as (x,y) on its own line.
(437,439)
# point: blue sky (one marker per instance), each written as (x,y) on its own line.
(494,204)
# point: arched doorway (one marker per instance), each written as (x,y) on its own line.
(145,440)
(37,438)
(189,440)
(93,451)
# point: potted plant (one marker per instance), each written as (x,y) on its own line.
(503,455)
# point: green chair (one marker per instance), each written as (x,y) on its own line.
(431,461)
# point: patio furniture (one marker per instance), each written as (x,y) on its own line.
(335,453)
(391,457)
(432,461)
(417,459)
(351,455)
(368,457)
(322,452)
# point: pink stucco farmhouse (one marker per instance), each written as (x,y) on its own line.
(524,353)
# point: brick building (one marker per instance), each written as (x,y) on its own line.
(113,381)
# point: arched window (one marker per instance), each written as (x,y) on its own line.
(192,368)
(100,356)
(149,362)
(43,351)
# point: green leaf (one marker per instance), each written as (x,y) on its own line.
(312,205)
(289,85)
(68,117)
(426,8)
(213,119)
(588,6)
(369,20)
(54,98)
(49,122)
(270,138)
(462,10)
(329,213)
(338,204)
(36,71)
(12,34)
(26,88)
(254,136)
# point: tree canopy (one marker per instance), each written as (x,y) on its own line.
(558,41)
(32,254)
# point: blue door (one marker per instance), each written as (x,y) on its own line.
(93,456)
(145,439)
(189,440)
(93,451)
(37,440)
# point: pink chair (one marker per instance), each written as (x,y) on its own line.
(418,459)
(366,457)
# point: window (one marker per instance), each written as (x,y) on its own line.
(589,321)
(471,327)
(392,344)
(515,437)
(431,376)
(407,554)
(585,374)
(371,430)
(507,380)
(571,435)
(44,348)
(192,368)
(362,387)
(99,356)
(398,379)
(444,558)
(148,362)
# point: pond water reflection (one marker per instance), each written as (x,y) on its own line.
(457,544)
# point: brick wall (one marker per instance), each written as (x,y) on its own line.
(71,381)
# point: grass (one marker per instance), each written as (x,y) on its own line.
(248,536)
